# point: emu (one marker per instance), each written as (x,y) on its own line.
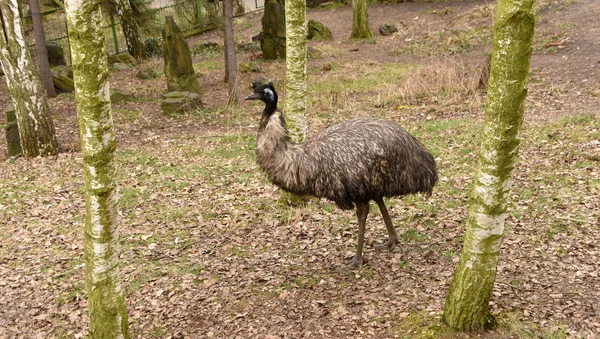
(350,163)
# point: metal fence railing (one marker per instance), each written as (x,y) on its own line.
(189,14)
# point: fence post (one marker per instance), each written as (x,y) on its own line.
(199,12)
(114,33)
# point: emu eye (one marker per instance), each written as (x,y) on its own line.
(268,93)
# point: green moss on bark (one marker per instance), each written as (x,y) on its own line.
(467,302)
(360,20)
(295,102)
(106,304)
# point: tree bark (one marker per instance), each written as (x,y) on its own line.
(36,129)
(295,74)
(360,20)
(106,304)
(230,55)
(135,46)
(273,42)
(40,47)
(467,302)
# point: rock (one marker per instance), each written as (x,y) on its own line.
(206,48)
(13,140)
(124,58)
(119,66)
(119,95)
(179,70)
(318,31)
(387,29)
(153,48)
(145,73)
(56,54)
(250,67)
(180,101)
(63,83)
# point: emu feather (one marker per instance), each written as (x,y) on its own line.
(350,163)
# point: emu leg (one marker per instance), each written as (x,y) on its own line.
(392,236)
(362,210)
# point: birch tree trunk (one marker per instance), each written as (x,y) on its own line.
(36,129)
(295,74)
(467,301)
(131,31)
(40,47)
(106,304)
(360,20)
(230,55)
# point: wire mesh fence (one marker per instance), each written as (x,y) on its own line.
(189,15)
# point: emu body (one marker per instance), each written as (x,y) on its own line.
(350,163)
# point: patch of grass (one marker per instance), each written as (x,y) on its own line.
(208,65)
(447,42)
(413,236)
(548,42)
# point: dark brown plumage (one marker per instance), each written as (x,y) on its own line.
(350,163)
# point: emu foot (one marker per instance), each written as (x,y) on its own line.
(354,263)
(388,245)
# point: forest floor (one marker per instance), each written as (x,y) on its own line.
(207,250)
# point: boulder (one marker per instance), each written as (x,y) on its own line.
(318,31)
(387,29)
(145,73)
(120,95)
(124,58)
(12,132)
(179,70)
(180,101)
(56,54)
(62,83)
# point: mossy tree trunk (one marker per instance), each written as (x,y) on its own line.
(106,304)
(131,31)
(230,55)
(467,301)
(36,129)
(360,20)
(273,42)
(40,47)
(295,74)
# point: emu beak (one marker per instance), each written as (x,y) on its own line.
(253,96)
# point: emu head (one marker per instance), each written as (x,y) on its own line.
(265,93)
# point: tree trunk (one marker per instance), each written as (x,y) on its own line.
(36,129)
(295,75)
(106,304)
(135,46)
(360,20)
(230,56)
(467,302)
(40,47)
(273,29)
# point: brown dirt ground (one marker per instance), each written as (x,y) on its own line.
(41,275)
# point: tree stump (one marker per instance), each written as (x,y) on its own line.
(12,132)
(273,25)
(179,70)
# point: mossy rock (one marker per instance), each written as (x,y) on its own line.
(63,83)
(13,140)
(179,102)
(145,73)
(387,29)
(56,54)
(120,95)
(124,58)
(318,31)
